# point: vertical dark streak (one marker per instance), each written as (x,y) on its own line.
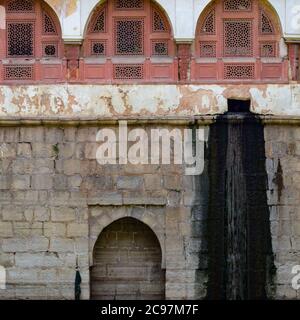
(240,258)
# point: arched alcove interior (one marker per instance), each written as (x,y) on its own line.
(127,263)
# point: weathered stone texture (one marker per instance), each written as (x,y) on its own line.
(55,200)
(282,143)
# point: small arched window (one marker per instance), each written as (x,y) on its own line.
(129,40)
(238,40)
(32,45)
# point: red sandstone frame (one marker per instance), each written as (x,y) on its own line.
(132,42)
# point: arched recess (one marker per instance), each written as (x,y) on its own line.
(129,41)
(31,45)
(103,216)
(239,41)
(127,263)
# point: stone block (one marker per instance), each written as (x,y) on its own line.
(71,167)
(61,245)
(62,214)
(105,198)
(5,182)
(20,182)
(6,229)
(24,150)
(52,229)
(152,182)
(129,183)
(8,150)
(172,182)
(41,214)
(77,230)
(12,213)
(74,182)
(42,182)
(32,134)
(25,244)
(42,150)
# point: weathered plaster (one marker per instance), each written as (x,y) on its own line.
(183,15)
(144,100)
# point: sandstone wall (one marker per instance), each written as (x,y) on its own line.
(51,186)
(55,200)
(283,167)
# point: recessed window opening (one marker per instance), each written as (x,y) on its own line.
(239,106)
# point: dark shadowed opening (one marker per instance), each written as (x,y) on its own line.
(239,105)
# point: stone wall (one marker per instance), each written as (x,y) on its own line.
(283,166)
(50,183)
(55,200)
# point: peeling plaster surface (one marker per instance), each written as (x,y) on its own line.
(183,15)
(64,7)
(144,100)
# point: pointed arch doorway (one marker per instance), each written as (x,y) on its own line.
(127,263)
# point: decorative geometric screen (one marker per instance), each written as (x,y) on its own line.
(208,27)
(235,71)
(99,25)
(98,48)
(265,24)
(123,35)
(20,39)
(237,5)
(20,6)
(129,35)
(160,47)
(128,72)
(50,50)
(238,38)
(158,24)
(129,4)
(48,24)
(18,72)
(268,49)
(208,49)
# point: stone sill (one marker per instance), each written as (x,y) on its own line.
(95,121)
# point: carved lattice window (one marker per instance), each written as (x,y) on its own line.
(208,27)
(129,35)
(99,24)
(98,48)
(234,71)
(158,23)
(20,39)
(128,72)
(238,38)
(50,50)
(265,24)
(122,38)
(268,49)
(18,72)
(160,47)
(232,35)
(48,24)
(20,6)
(207,49)
(27,20)
(237,5)
(129,4)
